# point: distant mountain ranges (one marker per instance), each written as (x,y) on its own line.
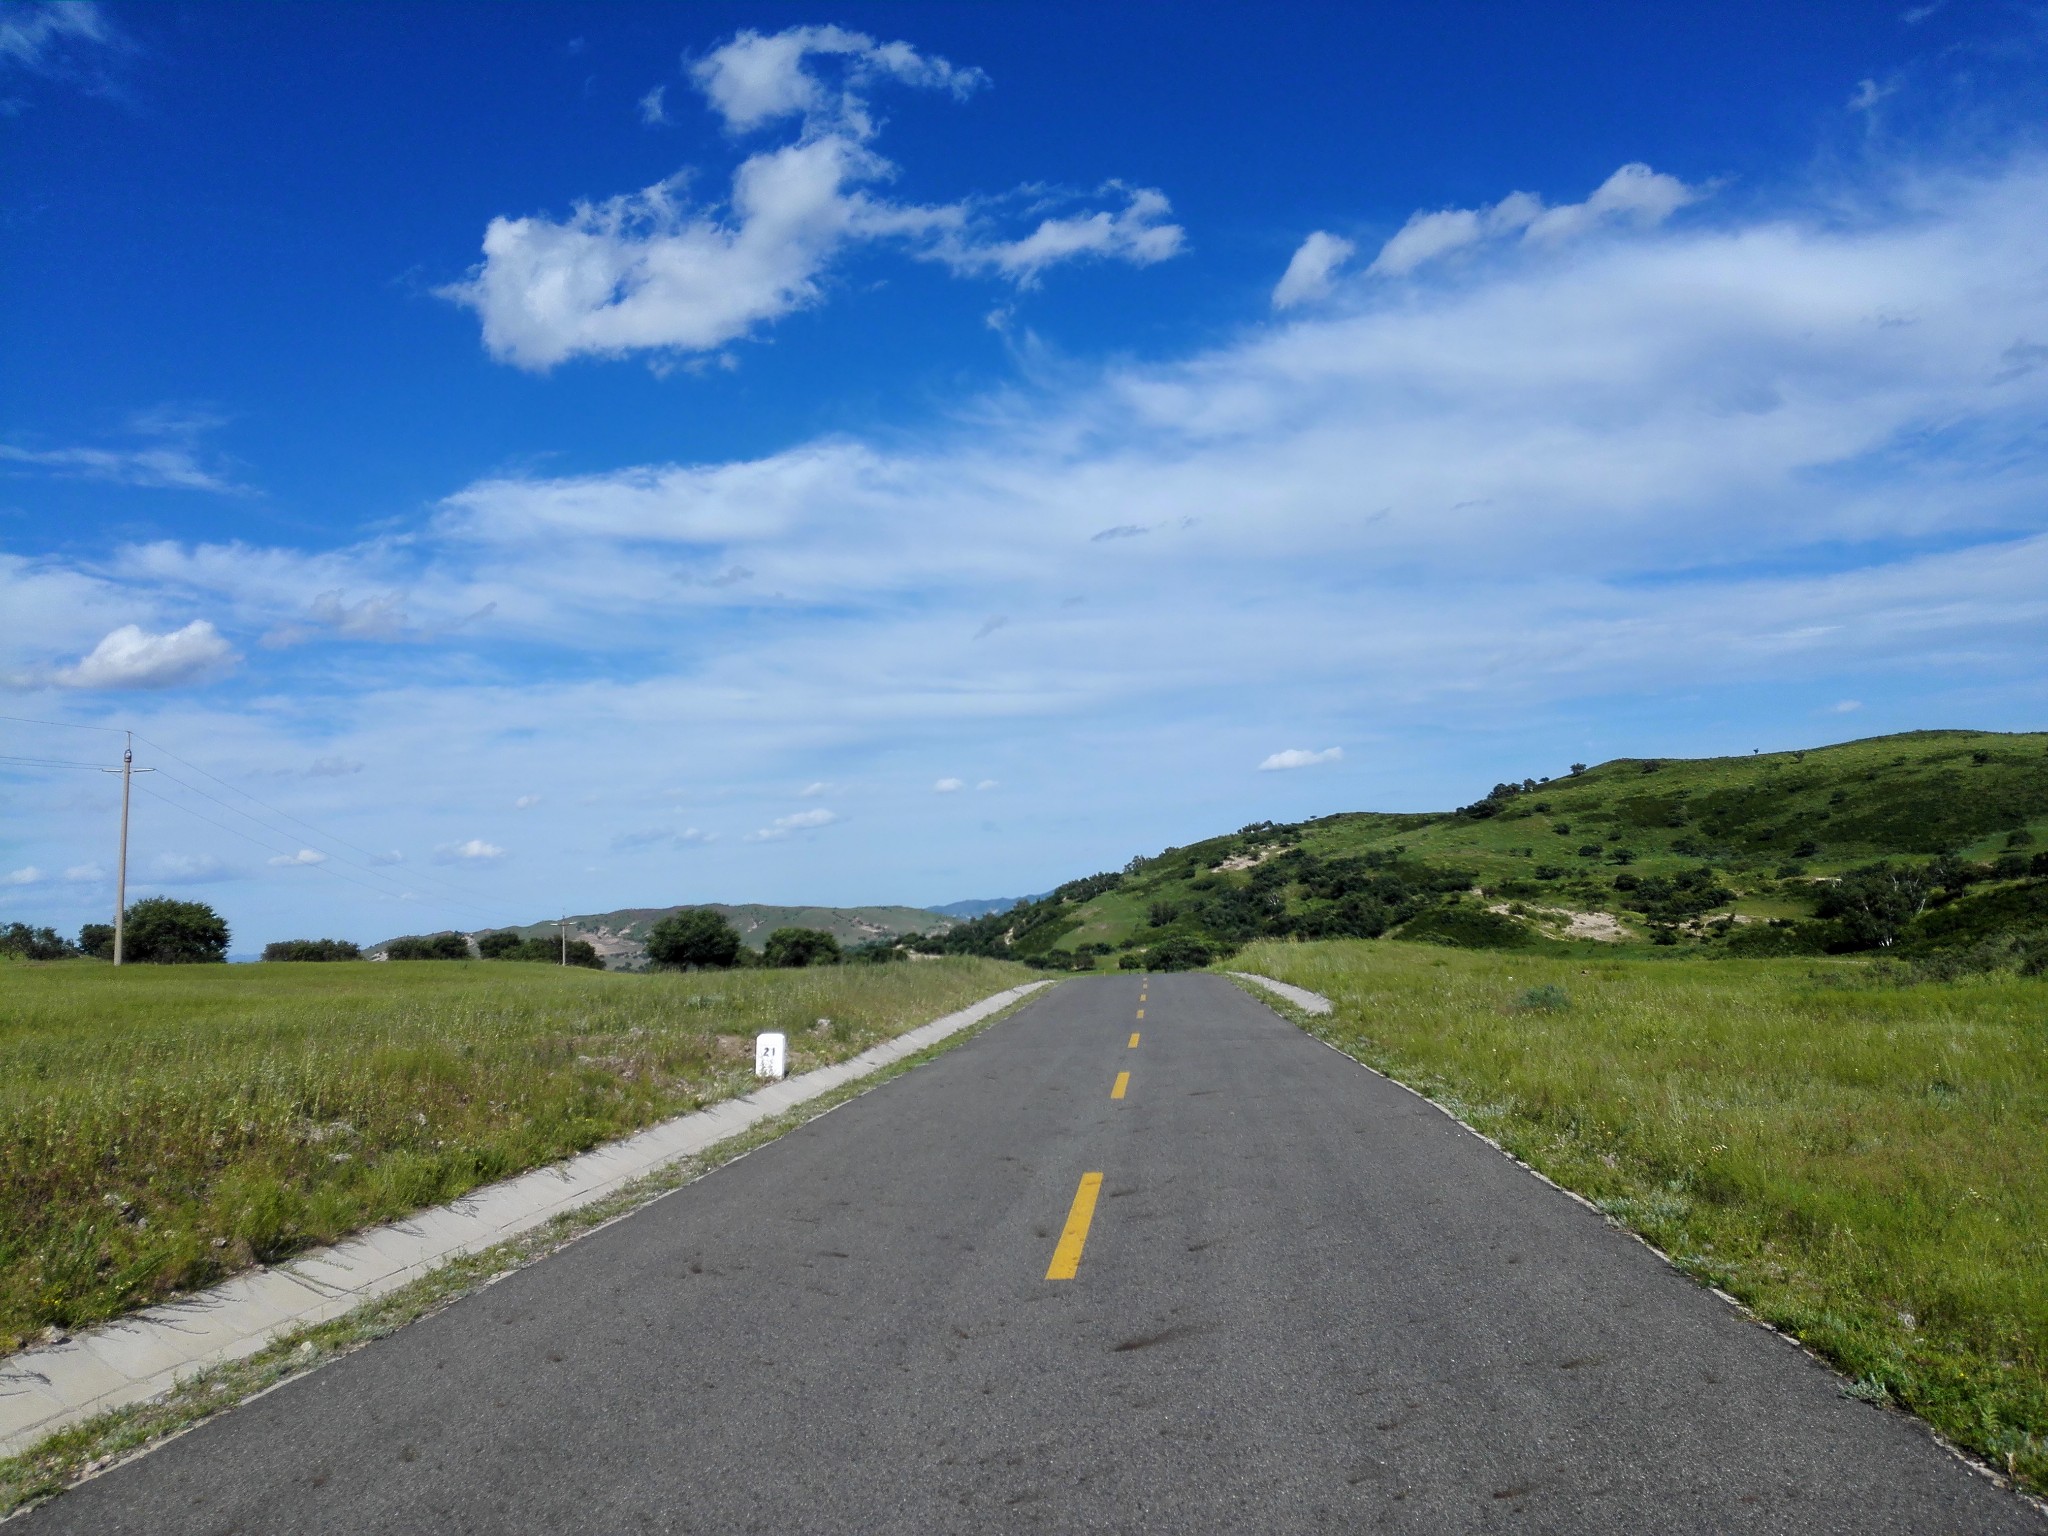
(621,936)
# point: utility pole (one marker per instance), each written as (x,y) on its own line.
(565,939)
(127,771)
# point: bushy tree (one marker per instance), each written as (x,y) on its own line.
(26,943)
(97,940)
(430,946)
(796,947)
(162,931)
(695,937)
(505,944)
(312,949)
(1872,905)
(1181,954)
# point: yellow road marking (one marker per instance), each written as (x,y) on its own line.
(1141,1013)
(1123,1081)
(1066,1258)
(1134,1041)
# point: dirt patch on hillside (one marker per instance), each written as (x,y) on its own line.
(1569,923)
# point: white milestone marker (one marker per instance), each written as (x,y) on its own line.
(771,1054)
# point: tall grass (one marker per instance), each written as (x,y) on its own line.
(1863,1163)
(161,1127)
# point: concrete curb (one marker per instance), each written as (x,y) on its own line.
(1301,997)
(140,1357)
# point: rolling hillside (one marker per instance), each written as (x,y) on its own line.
(1762,854)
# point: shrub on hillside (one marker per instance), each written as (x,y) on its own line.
(312,949)
(1468,928)
(1182,954)
(695,937)
(161,931)
(430,946)
(792,948)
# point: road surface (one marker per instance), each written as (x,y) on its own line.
(1300,1300)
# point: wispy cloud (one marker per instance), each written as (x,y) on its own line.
(474,851)
(304,857)
(1297,757)
(801,821)
(28,875)
(1635,194)
(950,786)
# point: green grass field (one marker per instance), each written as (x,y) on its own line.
(1862,1162)
(161,1127)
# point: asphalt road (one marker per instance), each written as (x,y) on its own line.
(1306,1301)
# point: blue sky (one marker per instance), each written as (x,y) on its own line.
(507,459)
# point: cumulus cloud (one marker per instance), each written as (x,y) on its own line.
(475,851)
(303,857)
(1635,194)
(1297,757)
(131,657)
(1309,273)
(28,875)
(656,271)
(526,802)
(801,821)
(949,786)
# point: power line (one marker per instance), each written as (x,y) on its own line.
(65,725)
(283,814)
(56,762)
(273,848)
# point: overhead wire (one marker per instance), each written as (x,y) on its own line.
(287,852)
(283,814)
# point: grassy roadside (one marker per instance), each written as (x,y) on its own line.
(163,1127)
(85,1449)
(1860,1162)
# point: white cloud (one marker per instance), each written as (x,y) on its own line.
(802,821)
(303,857)
(1869,93)
(475,851)
(949,786)
(526,802)
(654,271)
(1297,757)
(654,837)
(131,657)
(335,767)
(1137,233)
(652,113)
(810,791)
(758,79)
(84,874)
(988,784)
(1634,194)
(1309,273)
(1846,707)
(29,875)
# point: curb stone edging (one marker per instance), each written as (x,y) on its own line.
(1975,1463)
(145,1355)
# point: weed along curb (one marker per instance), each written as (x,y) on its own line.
(48,1390)
(1301,997)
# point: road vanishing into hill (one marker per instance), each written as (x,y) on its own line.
(1298,1299)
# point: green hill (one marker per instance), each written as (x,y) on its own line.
(1761,854)
(621,937)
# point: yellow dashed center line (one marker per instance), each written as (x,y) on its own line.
(1134,1041)
(1066,1258)
(1141,1013)
(1123,1081)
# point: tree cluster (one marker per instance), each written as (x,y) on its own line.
(312,949)
(428,946)
(505,944)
